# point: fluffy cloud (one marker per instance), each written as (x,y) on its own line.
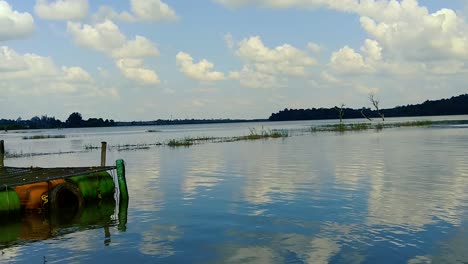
(104,37)
(61,9)
(371,61)
(142,10)
(14,24)
(108,13)
(152,10)
(76,74)
(403,28)
(265,67)
(129,55)
(418,35)
(139,48)
(32,73)
(133,69)
(23,66)
(202,71)
(346,60)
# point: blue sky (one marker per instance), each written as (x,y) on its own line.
(151,59)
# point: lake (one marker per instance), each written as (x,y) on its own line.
(398,195)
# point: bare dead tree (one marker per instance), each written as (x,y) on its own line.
(340,111)
(375,102)
(364,115)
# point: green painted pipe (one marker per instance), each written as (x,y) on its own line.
(95,186)
(120,164)
(9,201)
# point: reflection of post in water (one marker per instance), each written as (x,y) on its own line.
(123,199)
(123,211)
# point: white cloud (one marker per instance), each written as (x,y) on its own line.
(76,74)
(371,61)
(346,60)
(104,37)
(403,28)
(129,55)
(202,71)
(372,50)
(23,66)
(13,24)
(139,48)
(141,11)
(108,13)
(133,69)
(265,67)
(31,73)
(61,9)
(153,10)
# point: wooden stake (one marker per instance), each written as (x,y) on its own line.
(103,153)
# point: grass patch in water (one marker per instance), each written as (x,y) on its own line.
(43,137)
(263,134)
(416,123)
(367,126)
(187,142)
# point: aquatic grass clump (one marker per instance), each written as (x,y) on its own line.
(90,147)
(180,143)
(279,133)
(359,126)
(367,126)
(43,137)
(379,126)
(417,123)
(264,134)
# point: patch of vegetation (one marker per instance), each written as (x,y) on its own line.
(43,137)
(187,142)
(366,126)
(417,123)
(379,126)
(90,147)
(254,135)
(263,134)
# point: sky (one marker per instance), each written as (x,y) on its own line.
(161,59)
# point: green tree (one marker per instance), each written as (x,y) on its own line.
(74,120)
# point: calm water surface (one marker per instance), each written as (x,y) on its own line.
(395,196)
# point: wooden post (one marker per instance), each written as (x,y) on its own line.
(2,153)
(103,153)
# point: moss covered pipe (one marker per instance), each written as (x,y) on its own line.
(121,178)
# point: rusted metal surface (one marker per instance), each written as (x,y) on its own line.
(14,176)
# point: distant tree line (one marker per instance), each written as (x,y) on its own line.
(44,122)
(161,122)
(457,105)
